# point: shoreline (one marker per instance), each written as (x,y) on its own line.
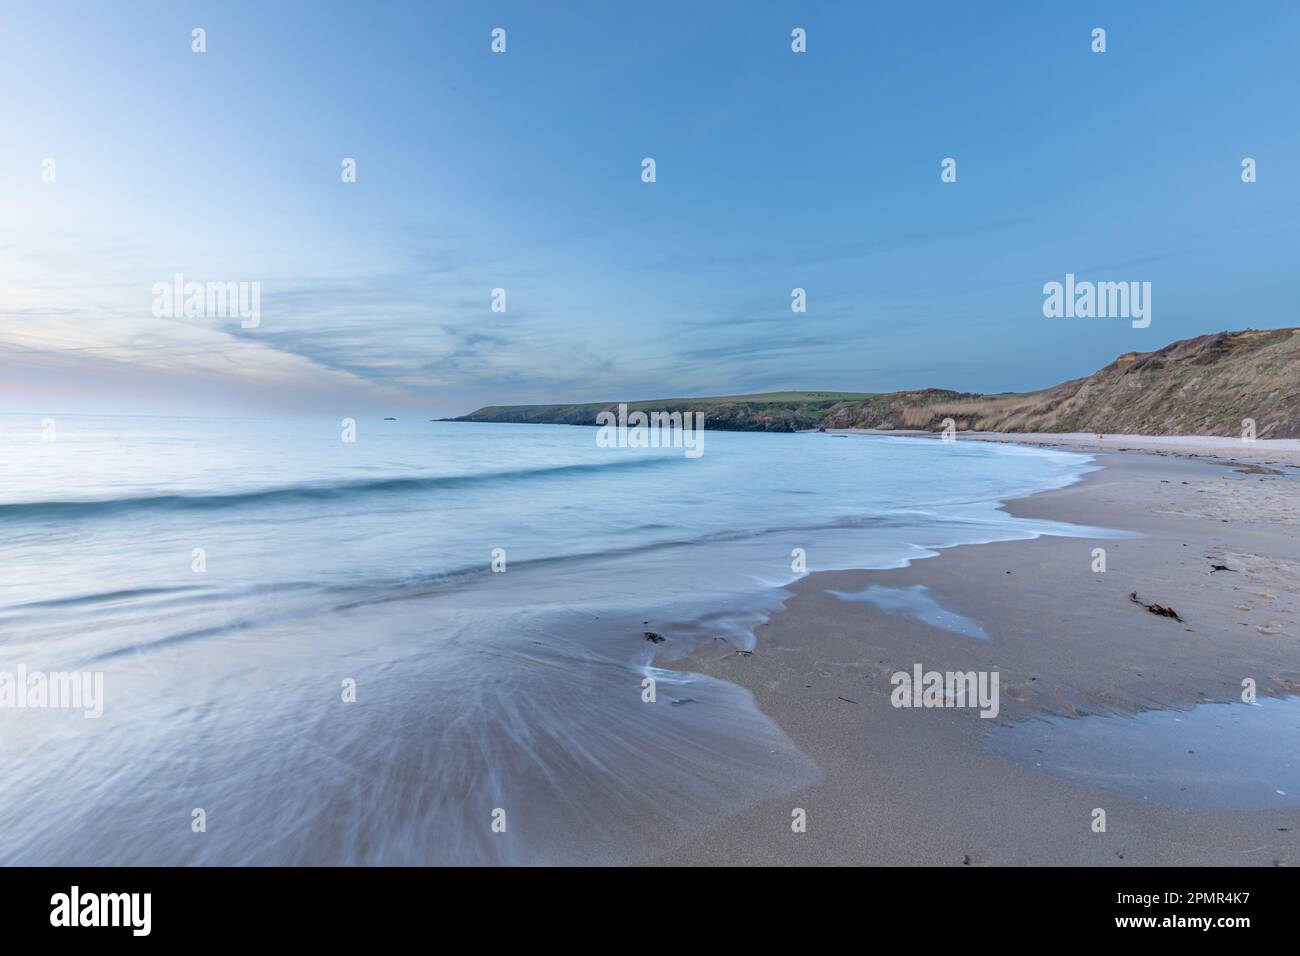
(1261,452)
(904,786)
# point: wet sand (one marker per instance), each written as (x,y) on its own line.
(913,786)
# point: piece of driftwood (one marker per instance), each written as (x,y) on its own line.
(1156,608)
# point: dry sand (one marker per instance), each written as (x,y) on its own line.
(918,786)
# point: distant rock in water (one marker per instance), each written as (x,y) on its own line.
(1207,385)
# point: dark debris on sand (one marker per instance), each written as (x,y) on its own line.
(1159,609)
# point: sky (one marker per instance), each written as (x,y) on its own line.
(522,171)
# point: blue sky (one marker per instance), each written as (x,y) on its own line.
(522,171)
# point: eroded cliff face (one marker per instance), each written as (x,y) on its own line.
(1202,386)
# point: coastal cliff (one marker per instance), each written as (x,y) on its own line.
(1200,386)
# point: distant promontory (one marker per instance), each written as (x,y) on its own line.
(1200,386)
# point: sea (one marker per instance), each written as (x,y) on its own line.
(435,643)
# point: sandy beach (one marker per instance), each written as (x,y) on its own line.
(905,786)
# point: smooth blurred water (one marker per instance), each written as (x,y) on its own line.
(476,691)
(916,602)
(1221,756)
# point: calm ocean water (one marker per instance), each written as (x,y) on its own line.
(480,696)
